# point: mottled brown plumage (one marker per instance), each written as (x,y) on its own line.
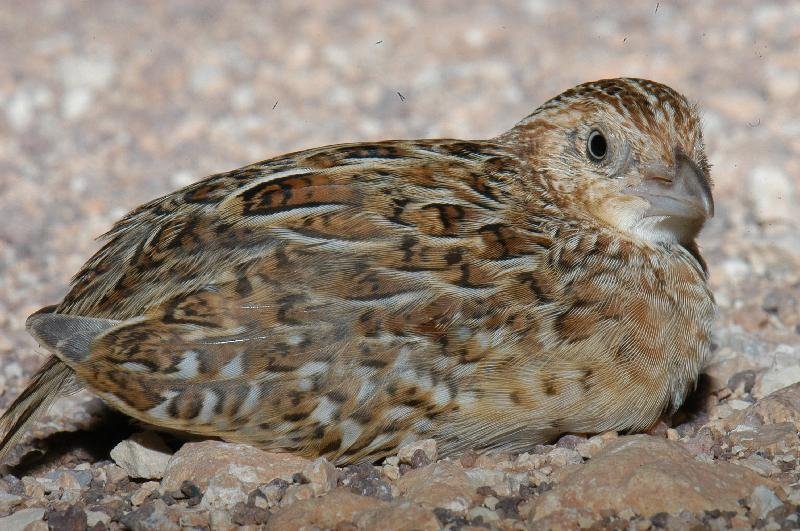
(344,300)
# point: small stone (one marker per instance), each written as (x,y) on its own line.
(339,505)
(142,455)
(593,445)
(149,516)
(114,474)
(322,476)
(192,492)
(742,381)
(194,519)
(365,480)
(296,493)
(484,513)
(777,378)
(570,441)
(673,434)
(219,519)
(8,501)
(73,518)
(392,472)
(397,516)
(244,515)
(60,481)
(440,485)
(273,491)
(496,480)
(763,501)
(38,525)
(22,518)
(738,405)
(143,492)
(490,502)
(95,517)
(561,456)
(428,446)
(528,462)
(759,465)
(770,439)
(33,489)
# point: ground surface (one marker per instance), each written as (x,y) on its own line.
(106,105)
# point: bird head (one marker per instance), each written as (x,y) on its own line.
(626,152)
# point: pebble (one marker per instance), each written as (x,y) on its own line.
(145,490)
(763,501)
(322,476)
(142,455)
(22,518)
(428,447)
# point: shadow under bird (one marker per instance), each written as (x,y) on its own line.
(345,300)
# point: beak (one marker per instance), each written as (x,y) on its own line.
(682,191)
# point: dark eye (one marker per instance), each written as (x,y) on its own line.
(596,146)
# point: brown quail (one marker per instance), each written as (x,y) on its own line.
(345,300)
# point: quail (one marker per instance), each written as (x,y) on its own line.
(346,300)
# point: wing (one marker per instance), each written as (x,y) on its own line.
(286,303)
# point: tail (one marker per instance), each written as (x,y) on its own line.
(52,380)
(68,336)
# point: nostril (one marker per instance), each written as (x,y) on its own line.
(660,174)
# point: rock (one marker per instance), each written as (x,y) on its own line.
(742,380)
(759,465)
(561,456)
(398,516)
(246,515)
(269,495)
(20,519)
(322,475)
(297,493)
(428,446)
(440,485)
(777,378)
(63,480)
(149,516)
(593,445)
(143,455)
(145,490)
(780,406)
(339,505)
(649,475)
(771,439)
(72,518)
(8,501)
(503,484)
(365,480)
(205,461)
(763,501)
(95,517)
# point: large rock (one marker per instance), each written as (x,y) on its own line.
(649,475)
(227,473)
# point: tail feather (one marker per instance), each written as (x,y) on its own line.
(53,380)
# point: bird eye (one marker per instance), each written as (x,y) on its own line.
(596,146)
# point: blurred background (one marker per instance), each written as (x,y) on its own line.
(105,105)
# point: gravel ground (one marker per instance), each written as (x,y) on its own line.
(106,105)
